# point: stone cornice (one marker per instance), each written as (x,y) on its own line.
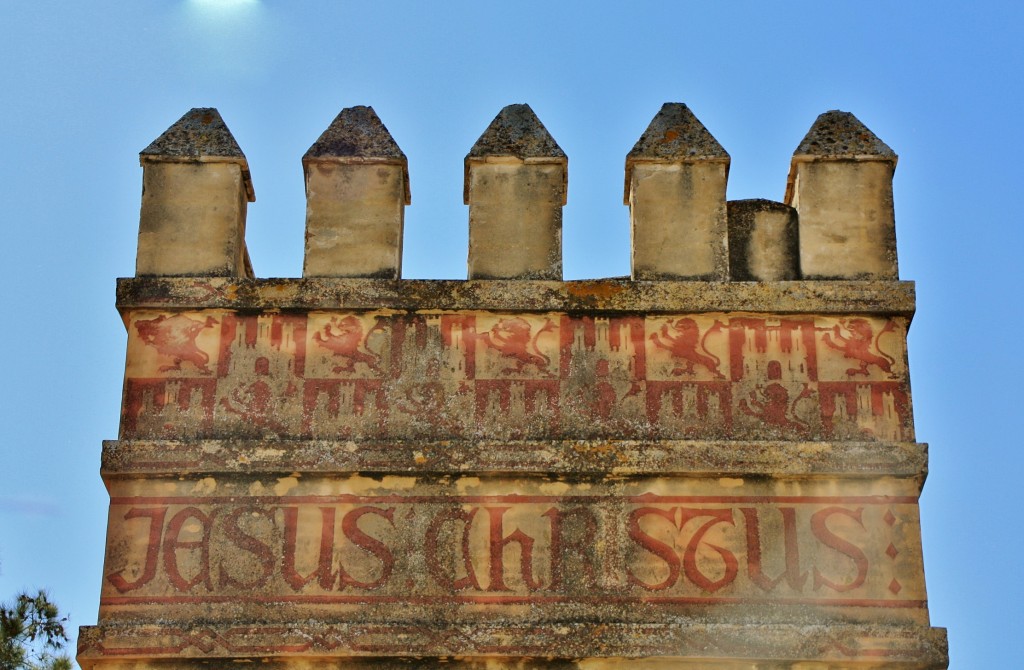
(557,458)
(892,298)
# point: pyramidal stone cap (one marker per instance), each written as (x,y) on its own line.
(675,135)
(837,136)
(358,136)
(841,135)
(199,136)
(515,132)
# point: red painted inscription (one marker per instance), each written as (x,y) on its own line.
(492,548)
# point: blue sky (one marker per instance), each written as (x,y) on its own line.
(88,85)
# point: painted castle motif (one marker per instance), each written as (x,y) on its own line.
(712,461)
(365,375)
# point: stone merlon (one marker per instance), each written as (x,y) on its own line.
(515,185)
(195,190)
(840,183)
(676,178)
(357,188)
(763,241)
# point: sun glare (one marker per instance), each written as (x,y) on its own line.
(226,37)
(222,4)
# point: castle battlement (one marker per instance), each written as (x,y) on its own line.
(836,222)
(710,463)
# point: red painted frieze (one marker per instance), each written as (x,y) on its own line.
(526,376)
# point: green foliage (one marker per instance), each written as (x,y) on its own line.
(32,634)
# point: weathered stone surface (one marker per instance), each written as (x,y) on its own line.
(763,241)
(357,133)
(583,646)
(200,133)
(838,134)
(357,187)
(840,183)
(674,135)
(199,136)
(445,375)
(355,216)
(516,132)
(675,187)
(195,189)
(515,187)
(883,298)
(584,458)
(192,221)
(539,551)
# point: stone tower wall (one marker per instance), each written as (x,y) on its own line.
(709,464)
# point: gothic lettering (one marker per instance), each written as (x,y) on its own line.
(371,545)
(173,542)
(654,546)
(323,574)
(819,526)
(156,525)
(791,548)
(690,564)
(260,550)
(498,542)
(522,547)
(432,549)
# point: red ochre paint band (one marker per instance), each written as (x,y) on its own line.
(123,601)
(642,499)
